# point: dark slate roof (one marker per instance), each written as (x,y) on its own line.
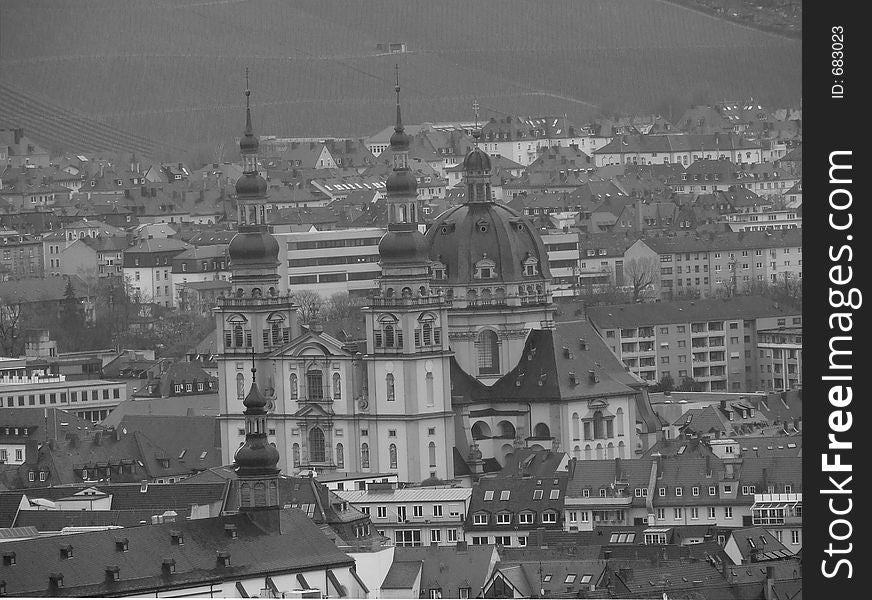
(255,552)
(686,311)
(9,502)
(402,575)
(448,568)
(41,290)
(600,474)
(534,463)
(55,520)
(725,242)
(521,490)
(543,373)
(764,542)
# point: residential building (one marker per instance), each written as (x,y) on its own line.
(147,269)
(717,264)
(91,399)
(439,572)
(199,263)
(507,510)
(413,516)
(21,256)
(564,259)
(714,342)
(679,148)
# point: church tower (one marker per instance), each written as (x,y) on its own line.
(255,462)
(407,415)
(254,319)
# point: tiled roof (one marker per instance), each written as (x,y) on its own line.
(41,290)
(686,311)
(421,494)
(254,552)
(402,575)
(199,404)
(129,496)
(763,541)
(158,245)
(676,142)
(595,475)
(489,496)
(543,373)
(534,463)
(742,240)
(55,520)
(448,568)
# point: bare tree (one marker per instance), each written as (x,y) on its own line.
(641,274)
(342,306)
(10,327)
(310,302)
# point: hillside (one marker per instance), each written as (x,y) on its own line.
(173,71)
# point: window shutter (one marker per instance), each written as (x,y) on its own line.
(228,339)
(399,338)
(417,337)
(248,339)
(378,339)
(437,336)
(286,335)
(266,337)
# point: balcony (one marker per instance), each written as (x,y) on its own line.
(246,302)
(423,301)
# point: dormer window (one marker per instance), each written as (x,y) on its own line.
(122,545)
(168,566)
(485,268)
(177,538)
(113,573)
(66,552)
(482,226)
(8,559)
(531,266)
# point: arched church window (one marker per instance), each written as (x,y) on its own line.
(541,431)
(431,450)
(294,389)
(240,385)
(317,451)
(392,452)
(364,455)
(238,336)
(598,425)
(337,386)
(619,419)
(296,455)
(390,392)
(488,352)
(389,336)
(340,456)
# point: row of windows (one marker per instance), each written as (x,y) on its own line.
(524,517)
(61,397)
(317,449)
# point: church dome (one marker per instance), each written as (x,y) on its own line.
(253,245)
(401,183)
(476,160)
(256,455)
(492,236)
(400,140)
(403,243)
(251,184)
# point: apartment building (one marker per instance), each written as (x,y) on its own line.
(679,148)
(718,489)
(563,260)
(727,263)
(330,262)
(722,344)
(413,516)
(148,266)
(91,400)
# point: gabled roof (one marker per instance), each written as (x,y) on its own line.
(521,492)
(757,544)
(41,290)
(450,569)
(402,575)
(684,311)
(547,372)
(254,552)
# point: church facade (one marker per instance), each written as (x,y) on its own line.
(464,361)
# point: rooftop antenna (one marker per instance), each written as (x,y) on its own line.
(399,126)
(476,133)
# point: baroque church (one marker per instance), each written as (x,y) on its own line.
(463,364)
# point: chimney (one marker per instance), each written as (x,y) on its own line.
(540,537)
(113,573)
(770,583)
(592,376)
(639,215)
(708,466)
(659,459)
(98,438)
(765,480)
(618,472)
(461,546)
(723,405)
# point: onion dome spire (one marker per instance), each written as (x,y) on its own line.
(256,457)
(249,143)
(399,139)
